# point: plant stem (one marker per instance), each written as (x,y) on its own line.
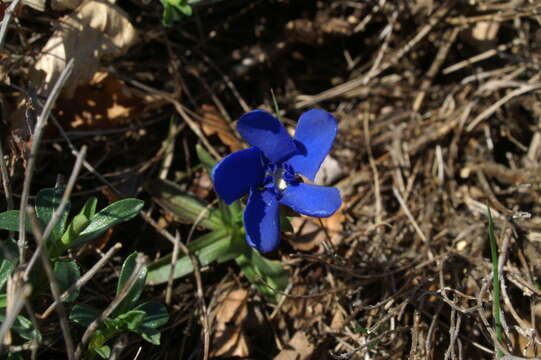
(495,284)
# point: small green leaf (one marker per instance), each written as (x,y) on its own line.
(47,201)
(78,224)
(8,259)
(3,300)
(84,314)
(23,327)
(9,220)
(205,158)
(67,273)
(104,351)
(113,325)
(187,207)
(155,314)
(132,319)
(149,334)
(219,249)
(268,276)
(120,211)
(137,288)
(89,208)
(15,356)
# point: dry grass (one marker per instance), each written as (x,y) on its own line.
(439,116)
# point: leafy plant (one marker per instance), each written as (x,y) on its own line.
(143,319)
(224,242)
(22,326)
(176,10)
(85,226)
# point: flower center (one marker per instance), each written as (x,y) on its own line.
(278,177)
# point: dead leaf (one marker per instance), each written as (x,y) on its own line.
(305,311)
(308,232)
(105,102)
(298,348)
(214,123)
(61,5)
(96,30)
(229,338)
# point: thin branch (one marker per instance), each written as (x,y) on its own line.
(53,283)
(59,210)
(5,179)
(197,274)
(36,140)
(19,299)
(83,279)
(5,22)
(140,263)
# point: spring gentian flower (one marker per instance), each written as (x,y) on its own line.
(269,172)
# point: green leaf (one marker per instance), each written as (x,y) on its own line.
(149,334)
(104,351)
(135,291)
(187,207)
(15,356)
(89,208)
(78,224)
(131,319)
(47,201)
(216,246)
(3,300)
(268,276)
(84,314)
(67,273)
(205,158)
(155,314)
(23,327)
(175,10)
(8,259)
(9,220)
(100,337)
(120,211)
(6,268)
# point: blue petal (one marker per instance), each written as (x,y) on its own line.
(314,136)
(261,129)
(237,173)
(312,200)
(262,221)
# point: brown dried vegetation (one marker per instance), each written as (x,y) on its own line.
(439,116)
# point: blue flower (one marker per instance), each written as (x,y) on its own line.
(269,172)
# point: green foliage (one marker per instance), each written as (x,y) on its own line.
(143,319)
(224,242)
(47,201)
(134,293)
(22,326)
(176,10)
(67,273)
(85,226)
(8,260)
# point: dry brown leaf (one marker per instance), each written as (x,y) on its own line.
(229,338)
(305,311)
(213,123)
(105,102)
(61,5)
(95,30)
(308,232)
(298,348)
